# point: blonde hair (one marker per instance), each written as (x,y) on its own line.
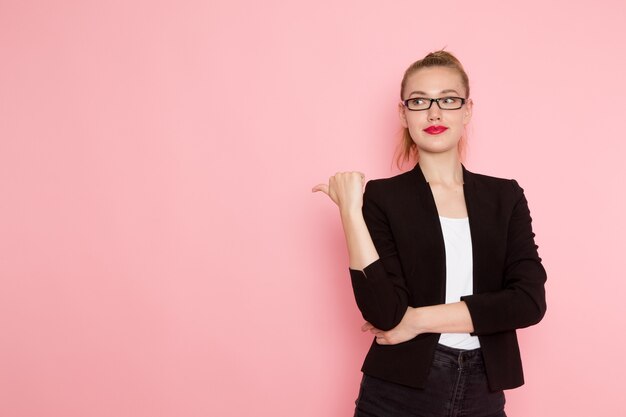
(407,150)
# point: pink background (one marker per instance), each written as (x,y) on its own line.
(161,253)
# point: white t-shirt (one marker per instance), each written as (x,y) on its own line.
(459,274)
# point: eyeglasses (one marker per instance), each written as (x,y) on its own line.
(444,103)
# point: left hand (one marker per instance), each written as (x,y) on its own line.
(405,330)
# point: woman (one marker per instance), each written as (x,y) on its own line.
(443,303)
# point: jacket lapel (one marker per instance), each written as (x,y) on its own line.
(432,227)
(482,222)
(430,245)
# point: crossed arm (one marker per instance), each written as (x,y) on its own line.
(345,189)
(380,290)
(442,318)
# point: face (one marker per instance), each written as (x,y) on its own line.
(435,82)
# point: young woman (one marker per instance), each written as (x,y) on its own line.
(443,263)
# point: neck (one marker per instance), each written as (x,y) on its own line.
(443,168)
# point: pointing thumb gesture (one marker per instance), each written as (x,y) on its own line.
(345,189)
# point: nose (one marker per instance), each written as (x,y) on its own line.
(434,113)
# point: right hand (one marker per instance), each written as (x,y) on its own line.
(345,189)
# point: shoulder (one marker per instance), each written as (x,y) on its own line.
(390,182)
(490,180)
(381,188)
(507,188)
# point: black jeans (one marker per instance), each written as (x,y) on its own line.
(456,387)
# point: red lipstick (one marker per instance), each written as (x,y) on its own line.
(435,130)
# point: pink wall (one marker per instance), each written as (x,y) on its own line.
(161,253)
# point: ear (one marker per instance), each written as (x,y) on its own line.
(402,114)
(467,115)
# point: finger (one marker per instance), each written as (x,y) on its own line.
(371,328)
(320,187)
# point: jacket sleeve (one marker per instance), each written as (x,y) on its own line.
(380,290)
(521,302)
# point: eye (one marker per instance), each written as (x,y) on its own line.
(450,100)
(418,101)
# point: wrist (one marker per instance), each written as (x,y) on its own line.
(419,320)
(350,213)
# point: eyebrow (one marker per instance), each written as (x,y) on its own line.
(442,92)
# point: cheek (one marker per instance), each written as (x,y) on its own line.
(417,134)
(415,119)
(456,121)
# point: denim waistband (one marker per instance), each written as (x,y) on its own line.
(460,358)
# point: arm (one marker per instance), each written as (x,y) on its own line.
(441,318)
(361,249)
(379,288)
(521,302)
(374,269)
(346,190)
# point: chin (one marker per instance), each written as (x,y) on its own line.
(437,149)
(436,142)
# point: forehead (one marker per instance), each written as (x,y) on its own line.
(434,80)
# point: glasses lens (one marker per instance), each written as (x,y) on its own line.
(450,103)
(418,103)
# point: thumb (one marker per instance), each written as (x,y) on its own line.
(320,187)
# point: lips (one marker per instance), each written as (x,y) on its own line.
(435,130)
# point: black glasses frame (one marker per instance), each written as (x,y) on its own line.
(406,102)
